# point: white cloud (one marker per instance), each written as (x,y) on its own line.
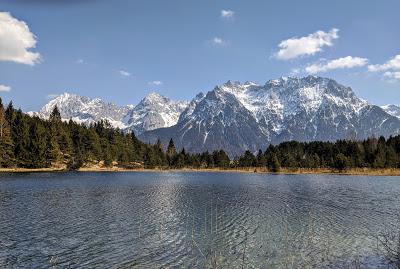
(227,14)
(219,41)
(4,88)
(392,75)
(307,45)
(80,61)
(391,68)
(392,64)
(16,40)
(156,83)
(124,73)
(340,63)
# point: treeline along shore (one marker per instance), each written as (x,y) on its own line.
(32,144)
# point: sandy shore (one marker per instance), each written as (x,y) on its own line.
(354,171)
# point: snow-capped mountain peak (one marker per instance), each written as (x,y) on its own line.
(85,110)
(239,116)
(153,111)
(393,110)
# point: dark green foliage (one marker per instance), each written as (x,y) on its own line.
(275,166)
(55,115)
(34,143)
(221,159)
(6,143)
(247,160)
(20,135)
(341,162)
(37,145)
(171,152)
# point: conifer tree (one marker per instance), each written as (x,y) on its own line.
(10,114)
(37,145)
(53,153)
(341,162)
(261,160)
(6,143)
(55,115)
(275,166)
(171,152)
(21,139)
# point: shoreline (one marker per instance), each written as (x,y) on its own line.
(283,171)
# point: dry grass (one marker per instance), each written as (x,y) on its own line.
(291,171)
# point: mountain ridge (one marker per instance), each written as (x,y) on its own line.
(153,111)
(289,108)
(239,116)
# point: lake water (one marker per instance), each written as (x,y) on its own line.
(194,220)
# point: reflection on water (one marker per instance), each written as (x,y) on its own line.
(202,220)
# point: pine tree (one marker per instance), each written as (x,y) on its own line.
(53,153)
(6,143)
(108,161)
(380,153)
(261,160)
(55,115)
(37,145)
(20,134)
(179,159)
(65,143)
(247,160)
(10,114)
(275,166)
(341,162)
(171,152)
(221,159)
(391,158)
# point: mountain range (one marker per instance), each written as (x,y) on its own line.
(242,116)
(154,111)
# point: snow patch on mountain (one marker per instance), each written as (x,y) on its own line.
(393,110)
(85,110)
(246,116)
(154,111)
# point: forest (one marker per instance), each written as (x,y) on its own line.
(30,142)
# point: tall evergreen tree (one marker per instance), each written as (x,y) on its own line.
(37,145)
(55,115)
(171,151)
(10,113)
(21,139)
(274,165)
(6,143)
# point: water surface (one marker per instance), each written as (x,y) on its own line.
(194,220)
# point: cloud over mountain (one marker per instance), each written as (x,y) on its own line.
(307,45)
(340,63)
(391,68)
(4,88)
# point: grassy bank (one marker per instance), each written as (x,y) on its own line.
(294,171)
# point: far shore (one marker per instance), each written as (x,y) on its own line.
(292,171)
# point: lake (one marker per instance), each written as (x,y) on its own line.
(195,220)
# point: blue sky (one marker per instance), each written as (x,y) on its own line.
(120,50)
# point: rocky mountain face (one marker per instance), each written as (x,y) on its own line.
(153,111)
(393,110)
(85,110)
(242,116)
(237,117)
